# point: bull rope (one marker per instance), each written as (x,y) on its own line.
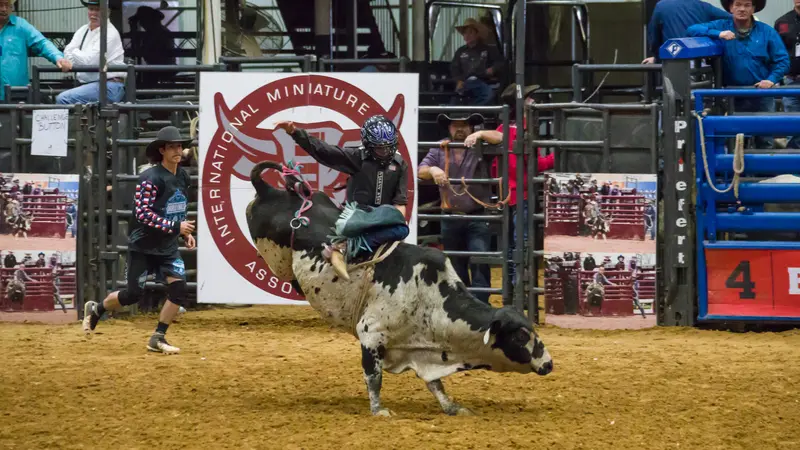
(360,304)
(292,169)
(738,160)
(445,145)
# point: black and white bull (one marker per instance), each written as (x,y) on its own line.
(417,313)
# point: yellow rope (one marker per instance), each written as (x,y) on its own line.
(366,280)
(738,159)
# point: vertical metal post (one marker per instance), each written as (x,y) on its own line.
(504,233)
(14,148)
(80,244)
(354,29)
(199,14)
(419,30)
(533,201)
(92,223)
(403,64)
(678,301)
(7,92)
(103,53)
(115,171)
(102,216)
(577,84)
(654,138)
(519,152)
(36,90)
(130,84)
(606,141)
(403,17)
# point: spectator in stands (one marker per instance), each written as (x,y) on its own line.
(620,263)
(461,235)
(10,261)
(788,26)
(754,55)
(41,261)
(84,50)
(475,65)
(671,18)
(496,137)
(589,263)
(18,38)
(376,50)
(156,45)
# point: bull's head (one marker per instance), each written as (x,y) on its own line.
(514,344)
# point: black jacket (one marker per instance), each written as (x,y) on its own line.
(370,183)
(159,207)
(788,26)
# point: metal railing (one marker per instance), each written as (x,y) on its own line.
(401,63)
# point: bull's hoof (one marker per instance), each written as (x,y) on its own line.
(383,412)
(458,410)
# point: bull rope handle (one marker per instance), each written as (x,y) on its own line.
(738,159)
(292,169)
(445,145)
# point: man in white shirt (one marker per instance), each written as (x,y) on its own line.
(84,50)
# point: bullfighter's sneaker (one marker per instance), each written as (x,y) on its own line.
(159,344)
(90,317)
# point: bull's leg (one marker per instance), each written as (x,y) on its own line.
(450,407)
(372,362)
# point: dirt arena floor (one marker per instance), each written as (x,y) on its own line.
(8,242)
(278,377)
(587,244)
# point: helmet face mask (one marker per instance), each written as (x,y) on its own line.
(380,137)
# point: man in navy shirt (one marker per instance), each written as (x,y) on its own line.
(671,18)
(159,217)
(754,55)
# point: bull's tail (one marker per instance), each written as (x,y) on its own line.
(263,188)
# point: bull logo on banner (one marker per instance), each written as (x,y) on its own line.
(239,143)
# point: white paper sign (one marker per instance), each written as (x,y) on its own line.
(49,137)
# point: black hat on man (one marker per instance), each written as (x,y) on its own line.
(757,4)
(165,135)
(509,95)
(473,119)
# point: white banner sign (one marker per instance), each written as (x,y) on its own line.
(329,105)
(49,135)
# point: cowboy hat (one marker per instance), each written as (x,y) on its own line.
(165,135)
(481,29)
(472,119)
(509,95)
(757,4)
(113,4)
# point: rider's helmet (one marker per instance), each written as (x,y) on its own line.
(379,137)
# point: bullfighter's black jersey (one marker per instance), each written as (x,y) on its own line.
(370,183)
(159,207)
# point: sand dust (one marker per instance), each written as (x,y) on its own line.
(278,377)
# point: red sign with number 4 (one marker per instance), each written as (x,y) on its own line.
(753,282)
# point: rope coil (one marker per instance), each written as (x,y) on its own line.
(445,145)
(738,159)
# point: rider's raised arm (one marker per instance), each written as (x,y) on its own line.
(347,160)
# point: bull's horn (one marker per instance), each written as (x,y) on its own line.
(339,266)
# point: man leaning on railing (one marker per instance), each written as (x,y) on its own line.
(84,50)
(754,55)
(17,37)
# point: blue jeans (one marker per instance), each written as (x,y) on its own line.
(471,237)
(792,104)
(90,93)
(512,239)
(757,104)
(476,93)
